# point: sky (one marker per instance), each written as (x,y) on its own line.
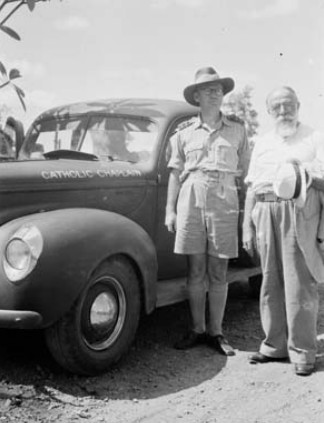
(79,50)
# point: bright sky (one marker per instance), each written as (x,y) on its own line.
(92,49)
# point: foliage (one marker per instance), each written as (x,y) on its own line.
(9,76)
(240,104)
(4,112)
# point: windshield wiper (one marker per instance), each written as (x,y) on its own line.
(110,158)
(120,159)
(70,154)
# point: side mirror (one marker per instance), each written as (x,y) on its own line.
(15,129)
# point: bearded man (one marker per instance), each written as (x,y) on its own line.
(288,230)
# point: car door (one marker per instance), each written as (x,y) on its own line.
(171,265)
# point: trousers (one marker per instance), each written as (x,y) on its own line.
(289,295)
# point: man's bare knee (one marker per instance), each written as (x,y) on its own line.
(196,268)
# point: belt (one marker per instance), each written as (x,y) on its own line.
(212,175)
(268,197)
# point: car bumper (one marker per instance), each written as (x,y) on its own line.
(20,319)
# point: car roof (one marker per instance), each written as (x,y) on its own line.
(151,108)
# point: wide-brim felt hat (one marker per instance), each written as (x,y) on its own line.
(291,183)
(205,76)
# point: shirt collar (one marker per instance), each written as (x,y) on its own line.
(227,121)
(198,123)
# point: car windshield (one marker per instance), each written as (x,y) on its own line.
(122,138)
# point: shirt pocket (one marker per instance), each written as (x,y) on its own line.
(193,150)
(225,155)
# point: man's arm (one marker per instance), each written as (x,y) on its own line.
(315,168)
(249,241)
(173,192)
(320,230)
(244,155)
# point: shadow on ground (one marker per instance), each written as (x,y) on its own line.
(152,367)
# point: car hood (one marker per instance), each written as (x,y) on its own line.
(46,174)
(40,185)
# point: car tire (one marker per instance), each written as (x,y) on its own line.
(100,327)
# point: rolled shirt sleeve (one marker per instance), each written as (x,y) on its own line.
(177,159)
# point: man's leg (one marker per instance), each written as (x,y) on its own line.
(217,295)
(197,291)
(197,302)
(272,297)
(301,304)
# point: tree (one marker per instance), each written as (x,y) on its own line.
(9,76)
(240,104)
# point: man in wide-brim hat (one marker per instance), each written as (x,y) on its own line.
(208,152)
(206,77)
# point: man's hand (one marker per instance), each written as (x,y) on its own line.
(248,237)
(173,191)
(249,247)
(171,221)
(249,242)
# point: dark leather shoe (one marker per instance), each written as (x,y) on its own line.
(261,358)
(190,340)
(304,369)
(220,344)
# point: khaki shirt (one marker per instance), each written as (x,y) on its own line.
(208,161)
(224,149)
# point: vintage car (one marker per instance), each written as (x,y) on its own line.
(83,246)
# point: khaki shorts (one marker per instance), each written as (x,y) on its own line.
(207,217)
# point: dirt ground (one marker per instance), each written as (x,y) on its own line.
(156,383)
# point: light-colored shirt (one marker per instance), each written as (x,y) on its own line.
(224,149)
(209,159)
(306,146)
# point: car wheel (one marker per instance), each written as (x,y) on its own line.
(100,327)
(255,283)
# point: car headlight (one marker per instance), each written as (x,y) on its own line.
(22,252)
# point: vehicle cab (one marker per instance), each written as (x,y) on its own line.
(84,248)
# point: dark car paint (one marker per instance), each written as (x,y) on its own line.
(81,198)
(88,210)
(68,261)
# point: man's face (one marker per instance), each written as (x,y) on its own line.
(283,107)
(210,96)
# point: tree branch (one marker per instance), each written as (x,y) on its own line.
(6,83)
(3,4)
(12,12)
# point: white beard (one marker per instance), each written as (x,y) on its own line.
(286,128)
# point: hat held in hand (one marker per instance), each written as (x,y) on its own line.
(291,183)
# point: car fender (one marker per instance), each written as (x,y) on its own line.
(76,241)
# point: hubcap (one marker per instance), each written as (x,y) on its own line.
(104,313)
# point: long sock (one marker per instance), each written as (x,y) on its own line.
(217,302)
(197,302)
